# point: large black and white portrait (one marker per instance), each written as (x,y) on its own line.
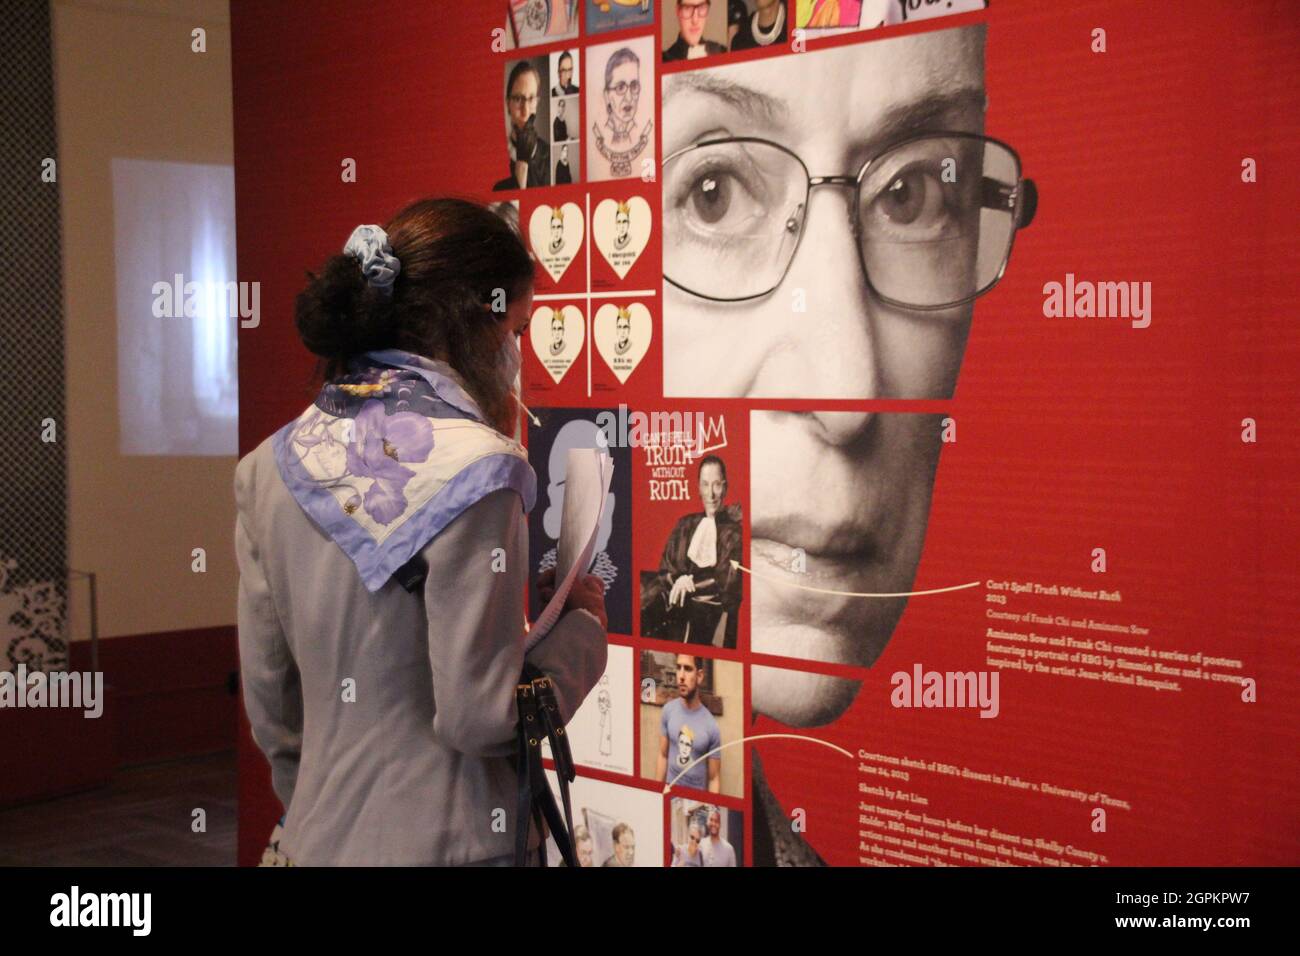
(828,224)
(829,221)
(827,230)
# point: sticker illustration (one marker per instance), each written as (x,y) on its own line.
(557,336)
(622,231)
(622,335)
(556,235)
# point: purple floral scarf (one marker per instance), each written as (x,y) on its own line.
(390,453)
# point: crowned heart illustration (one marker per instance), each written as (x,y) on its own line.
(622,335)
(557,335)
(556,235)
(622,231)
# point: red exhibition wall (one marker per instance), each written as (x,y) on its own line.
(1093,474)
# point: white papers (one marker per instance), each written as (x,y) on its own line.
(586,486)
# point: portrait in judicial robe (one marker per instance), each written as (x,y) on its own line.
(700,548)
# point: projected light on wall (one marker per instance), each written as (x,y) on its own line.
(178,388)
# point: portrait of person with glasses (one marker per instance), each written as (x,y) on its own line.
(564,85)
(691,43)
(622,119)
(829,220)
(530,154)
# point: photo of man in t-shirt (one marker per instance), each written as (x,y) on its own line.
(687,731)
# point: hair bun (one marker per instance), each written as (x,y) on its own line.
(340,314)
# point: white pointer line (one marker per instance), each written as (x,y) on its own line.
(817,740)
(895,594)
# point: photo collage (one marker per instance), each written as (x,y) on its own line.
(684,325)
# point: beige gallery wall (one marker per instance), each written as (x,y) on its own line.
(128,85)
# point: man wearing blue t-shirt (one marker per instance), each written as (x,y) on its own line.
(687,731)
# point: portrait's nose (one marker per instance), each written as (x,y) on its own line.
(829,349)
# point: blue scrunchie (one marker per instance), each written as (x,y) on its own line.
(369,245)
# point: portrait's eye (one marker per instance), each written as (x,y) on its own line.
(727,205)
(924,191)
(711,197)
(907,196)
(719,194)
(912,200)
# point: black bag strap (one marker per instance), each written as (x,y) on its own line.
(539,719)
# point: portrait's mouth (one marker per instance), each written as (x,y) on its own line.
(840,558)
(823,536)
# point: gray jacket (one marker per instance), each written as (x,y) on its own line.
(415,770)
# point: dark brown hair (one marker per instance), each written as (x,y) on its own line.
(459,260)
